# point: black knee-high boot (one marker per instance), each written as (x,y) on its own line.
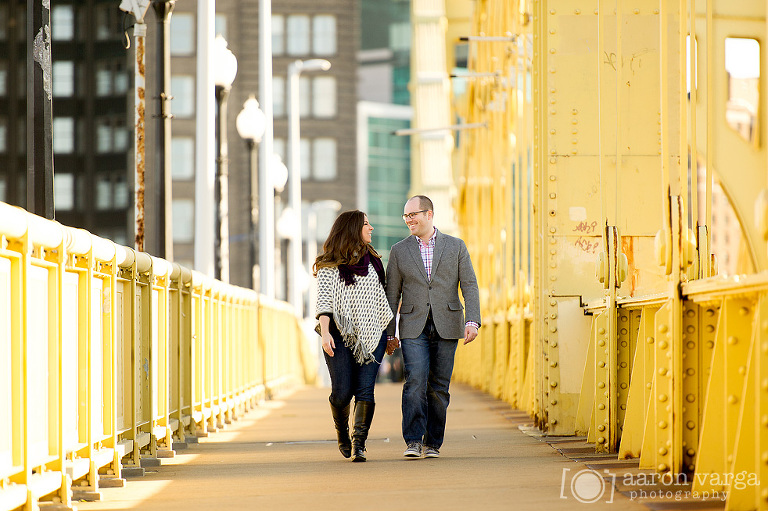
(341,421)
(363,418)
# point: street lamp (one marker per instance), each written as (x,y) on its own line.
(294,159)
(224,71)
(251,124)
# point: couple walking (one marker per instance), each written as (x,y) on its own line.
(356,309)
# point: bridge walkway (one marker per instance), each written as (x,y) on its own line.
(281,456)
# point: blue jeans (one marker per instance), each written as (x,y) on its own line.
(348,378)
(428,367)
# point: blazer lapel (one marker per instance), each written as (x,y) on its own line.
(439,246)
(413,248)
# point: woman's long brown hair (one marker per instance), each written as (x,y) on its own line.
(344,244)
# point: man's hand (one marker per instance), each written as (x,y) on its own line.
(470,332)
(392,344)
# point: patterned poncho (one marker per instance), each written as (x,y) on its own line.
(361,311)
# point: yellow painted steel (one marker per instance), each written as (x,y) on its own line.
(582,208)
(109,356)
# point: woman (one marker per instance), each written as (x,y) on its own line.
(353,313)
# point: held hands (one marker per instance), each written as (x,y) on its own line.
(328,344)
(392,344)
(470,332)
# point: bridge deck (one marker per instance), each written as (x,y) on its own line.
(281,457)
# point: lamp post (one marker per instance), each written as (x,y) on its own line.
(314,208)
(251,124)
(224,71)
(294,159)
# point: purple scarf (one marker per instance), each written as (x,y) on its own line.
(348,271)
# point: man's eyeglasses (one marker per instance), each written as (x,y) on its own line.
(411,216)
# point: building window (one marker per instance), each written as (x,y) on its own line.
(278,96)
(3,134)
(103,136)
(400,36)
(121,192)
(64,191)
(182,34)
(63,23)
(324,96)
(183,91)
(121,134)
(324,35)
(3,79)
(64,78)
(220,25)
(324,159)
(182,157)
(63,135)
(103,193)
(183,220)
(3,22)
(305,89)
(305,148)
(298,34)
(742,66)
(3,186)
(278,34)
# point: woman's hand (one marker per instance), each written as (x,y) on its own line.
(328,344)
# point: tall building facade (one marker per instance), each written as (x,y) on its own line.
(92,139)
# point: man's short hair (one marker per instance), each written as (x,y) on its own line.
(424,202)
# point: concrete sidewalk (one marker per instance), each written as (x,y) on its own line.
(283,456)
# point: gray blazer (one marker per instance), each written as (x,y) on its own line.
(407,281)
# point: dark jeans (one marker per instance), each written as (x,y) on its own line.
(348,378)
(428,368)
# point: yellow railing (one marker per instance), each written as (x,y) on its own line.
(108,357)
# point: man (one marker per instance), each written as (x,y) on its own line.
(424,273)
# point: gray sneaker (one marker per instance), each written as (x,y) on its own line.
(431,452)
(413,450)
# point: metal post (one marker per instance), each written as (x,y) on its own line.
(163,10)
(39,105)
(311,256)
(222,186)
(266,203)
(139,34)
(294,186)
(254,210)
(204,135)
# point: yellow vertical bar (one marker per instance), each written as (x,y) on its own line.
(694,95)
(663,132)
(619,123)
(683,175)
(710,127)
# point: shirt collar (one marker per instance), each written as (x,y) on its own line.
(431,238)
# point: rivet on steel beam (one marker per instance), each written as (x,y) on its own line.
(663,398)
(596,11)
(552,90)
(765,457)
(663,424)
(710,344)
(601,428)
(553,264)
(553,230)
(574,112)
(742,370)
(552,195)
(690,371)
(551,11)
(601,406)
(606,394)
(554,344)
(552,101)
(574,131)
(764,347)
(552,51)
(553,303)
(601,331)
(601,385)
(663,328)
(732,399)
(601,440)
(623,407)
(690,345)
(553,278)
(690,452)
(690,425)
(623,365)
(744,311)
(623,386)
(662,467)
(601,364)
(553,402)
(623,344)
(574,121)
(710,312)
(574,141)
(663,451)
(553,384)
(553,421)
(553,252)
(690,329)
(553,160)
(649,385)
(553,329)
(732,340)
(663,345)
(623,318)
(636,11)
(690,398)
(729,458)
(690,313)
(764,494)
(574,151)
(662,371)
(552,70)
(669,354)
(649,340)
(655,11)
(551,30)
(601,342)
(710,328)
(764,420)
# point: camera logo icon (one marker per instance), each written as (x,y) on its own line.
(587,486)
